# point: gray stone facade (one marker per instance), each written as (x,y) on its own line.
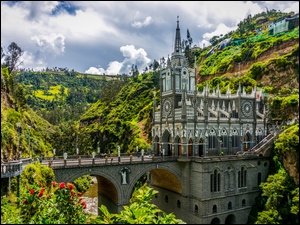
(206,123)
(190,130)
(196,189)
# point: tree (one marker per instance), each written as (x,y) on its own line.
(187,44)
(140,211)
(11,58)
(155,65)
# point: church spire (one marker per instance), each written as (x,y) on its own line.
(177,46)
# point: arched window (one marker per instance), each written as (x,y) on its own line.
(242,178)
(258,179)
(215,209)
(229,205)
(215,181)
(178,204)
(196,208)
(212,140)
(224,139)
(234,138)
(243,202)
(166,198)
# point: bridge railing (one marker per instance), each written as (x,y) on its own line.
(11,169)
(87,162)
(262,146)
(25,162)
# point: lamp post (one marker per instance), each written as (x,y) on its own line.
(19,132)
(119,153)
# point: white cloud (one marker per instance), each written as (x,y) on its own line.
(38,10)
(132,56)
(94,70)
(114,68)
(146,22)
(89,33)
(221,29)
(51,44)
(29,60)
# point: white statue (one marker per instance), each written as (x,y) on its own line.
(65,156)
(124,177)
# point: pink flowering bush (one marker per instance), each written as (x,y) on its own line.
(62,204)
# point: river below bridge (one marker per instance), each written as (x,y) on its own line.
(91,198)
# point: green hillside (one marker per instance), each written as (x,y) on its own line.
(65,109)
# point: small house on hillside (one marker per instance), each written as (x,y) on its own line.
(283,24)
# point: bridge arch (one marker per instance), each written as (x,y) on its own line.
(215,220)
(113,187)
(113,191)
(230,219)
(161,171)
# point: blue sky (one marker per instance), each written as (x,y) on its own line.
(109,36)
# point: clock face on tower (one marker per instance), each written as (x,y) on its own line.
(247,108)
(167,107)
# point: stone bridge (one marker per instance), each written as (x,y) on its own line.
(196,189)
(116,181)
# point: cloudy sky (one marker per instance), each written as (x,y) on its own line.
(109,36)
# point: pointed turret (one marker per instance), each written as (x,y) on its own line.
(213,105)
(177,46)
(228,91)
(223,107)
(177,57)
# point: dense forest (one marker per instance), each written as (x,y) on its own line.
(62,109)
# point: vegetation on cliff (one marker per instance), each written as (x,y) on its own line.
(64,109)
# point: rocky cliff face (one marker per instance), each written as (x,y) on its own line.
(290,160)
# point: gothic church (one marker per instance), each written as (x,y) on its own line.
(189,123)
